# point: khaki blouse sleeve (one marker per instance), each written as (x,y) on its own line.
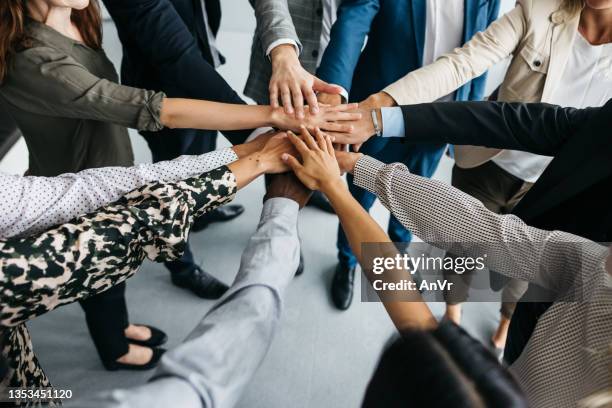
(46,81)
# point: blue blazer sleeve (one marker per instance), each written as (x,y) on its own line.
(478,88)
(346,41)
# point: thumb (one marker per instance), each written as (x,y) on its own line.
(357,146)
(291,161)
(322,86)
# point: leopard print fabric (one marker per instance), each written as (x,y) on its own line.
(95,252)
(24,368)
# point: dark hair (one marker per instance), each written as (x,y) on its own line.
(441,368)
(13,38)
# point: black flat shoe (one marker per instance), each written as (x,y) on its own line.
(157,338)
(318,200)
(114,365)
(300,268)
(221,214)
(342,286)
(201,283)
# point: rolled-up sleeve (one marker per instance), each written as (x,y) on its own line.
(47,81)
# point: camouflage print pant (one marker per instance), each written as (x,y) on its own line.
(91,254)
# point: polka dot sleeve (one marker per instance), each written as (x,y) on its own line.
(33,204)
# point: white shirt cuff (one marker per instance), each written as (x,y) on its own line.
(282,41)
(344,94)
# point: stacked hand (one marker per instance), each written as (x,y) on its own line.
(318,169)
(338,119)
(269,157)
(291,84)
(363,128)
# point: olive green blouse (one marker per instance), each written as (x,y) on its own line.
(67,102)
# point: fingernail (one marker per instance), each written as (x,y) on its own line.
(285,156)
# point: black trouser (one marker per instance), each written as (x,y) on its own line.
(106,313)
(107,318)
(169,144)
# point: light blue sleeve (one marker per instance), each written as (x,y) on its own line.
(393,122)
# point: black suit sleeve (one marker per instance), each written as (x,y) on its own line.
(156,29)
(537,127)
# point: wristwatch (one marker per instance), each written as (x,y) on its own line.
(377,128)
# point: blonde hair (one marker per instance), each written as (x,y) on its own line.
(573,6)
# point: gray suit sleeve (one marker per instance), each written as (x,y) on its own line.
(274,22)
(218,359)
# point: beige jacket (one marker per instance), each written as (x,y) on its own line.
(537,34)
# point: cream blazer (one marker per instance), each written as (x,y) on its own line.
(537,34)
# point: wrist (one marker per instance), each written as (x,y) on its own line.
(350,161)
(333,186)
(283,53)
(242,150)
(384,100)
(258,163)
(276,117)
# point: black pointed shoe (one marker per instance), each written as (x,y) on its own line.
(199,282)
(157,355)
(221,214)
(157,338)
(342,286)
(318,200)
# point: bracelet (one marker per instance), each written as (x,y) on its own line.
(377,129)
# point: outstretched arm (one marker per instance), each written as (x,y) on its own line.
(214,364)
(319,171)
(71,90)
(463,64)
(347,37)
(290,84)
(534,127)
(444,216)
(34,204)
(175,56)
(103,248)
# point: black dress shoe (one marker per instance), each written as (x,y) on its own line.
(342,286)
(157,338)
(114,365)
(318,200)
(300,268)
(225,213)
(199,282)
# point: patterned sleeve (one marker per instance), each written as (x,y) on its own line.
(33,204)
(446,217)
(96,251)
